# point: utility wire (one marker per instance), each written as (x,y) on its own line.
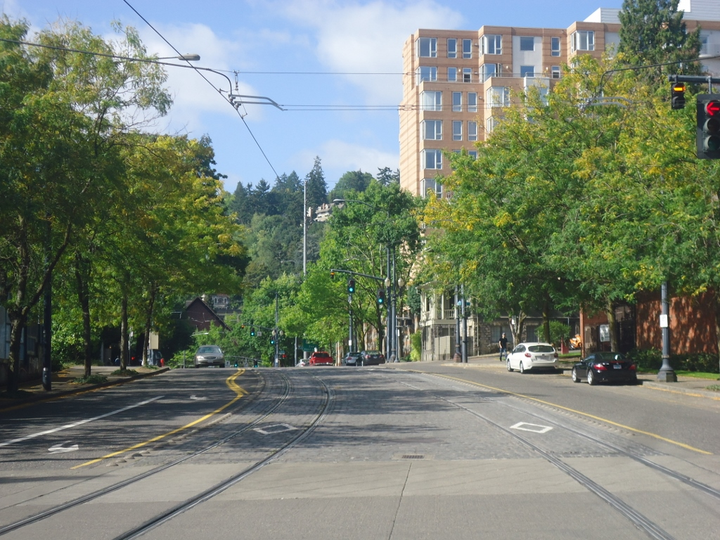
(211,84)
(284,107)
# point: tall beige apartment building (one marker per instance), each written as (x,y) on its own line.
(457,82)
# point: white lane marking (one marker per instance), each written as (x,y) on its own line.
(194,397)
(60,449)
(80,423)
(277,428)
(524,426)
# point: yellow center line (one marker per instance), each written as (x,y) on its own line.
(230,382)
(649,434)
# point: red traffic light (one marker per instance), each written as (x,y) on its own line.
(712,108)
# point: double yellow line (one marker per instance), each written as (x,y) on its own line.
(230,382)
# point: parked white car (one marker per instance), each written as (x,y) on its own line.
(527,356)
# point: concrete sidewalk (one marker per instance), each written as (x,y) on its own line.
(63,383)
(685,385)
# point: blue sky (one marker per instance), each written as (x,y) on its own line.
(349,53)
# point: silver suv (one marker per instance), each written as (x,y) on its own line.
(209,355)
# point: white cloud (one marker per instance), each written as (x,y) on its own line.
(339,157)
(193,96)
(368,37)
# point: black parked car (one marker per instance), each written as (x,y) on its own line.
(352,359)
(605,367)
(371,358)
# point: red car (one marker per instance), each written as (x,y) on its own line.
(321,359)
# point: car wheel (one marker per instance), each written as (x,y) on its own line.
(591,378)
(509,368)
(522,368)
(574,375)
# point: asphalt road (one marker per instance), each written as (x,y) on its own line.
(407,451)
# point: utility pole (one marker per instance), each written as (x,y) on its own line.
(276,331)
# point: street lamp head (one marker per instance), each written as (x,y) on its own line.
(185,57)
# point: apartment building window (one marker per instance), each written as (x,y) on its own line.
(432,130)
(452,74)
(457,130)
(472,131)
(457,102)
(489,70)
(492,44)
(583,40)
(527,43)
(555,46)
(490,125)
(452,48)
(472,154)
(498,96)
(430,186)
(432,159)
(467,48)
(704,44)
(431,101)
(467,75)
(472,100)
(426,74)
(555,72)
(427,47)
(527,71)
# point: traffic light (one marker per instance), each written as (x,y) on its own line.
(677,95)
(708,126)
(351,286)
(381,296)
(252,331)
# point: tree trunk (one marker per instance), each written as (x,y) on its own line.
(517,328)
(612,324)
(124,331)
(546,321)
(83,291)
(17,325)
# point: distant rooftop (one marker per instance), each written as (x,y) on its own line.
(695,10)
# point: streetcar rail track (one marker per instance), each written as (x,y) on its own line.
(228,483)
(640,521)
(286,389)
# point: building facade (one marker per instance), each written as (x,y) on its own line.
(456,86)
(457,82)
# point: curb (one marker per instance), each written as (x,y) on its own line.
(11,403)
(680,390)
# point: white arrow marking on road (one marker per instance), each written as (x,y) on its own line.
(81,422)
(197,398)
(60,449)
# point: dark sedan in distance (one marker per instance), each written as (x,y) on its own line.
(605,367)
(371,358)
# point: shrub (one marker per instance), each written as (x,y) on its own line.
(416,343)
(651,360)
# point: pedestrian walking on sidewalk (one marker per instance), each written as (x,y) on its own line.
(502,343)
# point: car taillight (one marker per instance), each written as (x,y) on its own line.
(633,367)
(600,367)
(528,354)
(555,355)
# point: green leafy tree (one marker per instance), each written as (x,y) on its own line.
(653,32)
